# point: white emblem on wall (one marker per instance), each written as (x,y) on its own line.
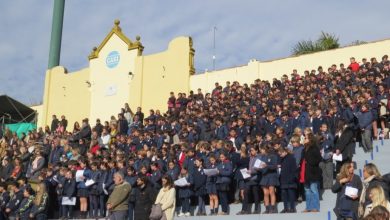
(111,90)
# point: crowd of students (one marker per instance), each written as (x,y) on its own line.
(265,142)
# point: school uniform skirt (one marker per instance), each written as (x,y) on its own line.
(81,192)
(211,188)
(270,179)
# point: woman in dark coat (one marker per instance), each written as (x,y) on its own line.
(288,180)
(145,197)
(347,207)
(312,174)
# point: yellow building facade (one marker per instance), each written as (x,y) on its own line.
(119,73)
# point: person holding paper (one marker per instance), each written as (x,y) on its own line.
(270,179)
(347,206)
(69,191)
(345,143)
(225,171)
(242,163)
(185,193)
(82,190)
(93,190)
(211,187)
(251,189)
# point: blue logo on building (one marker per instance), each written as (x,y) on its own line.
(112,59)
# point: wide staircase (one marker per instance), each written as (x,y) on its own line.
(380,157)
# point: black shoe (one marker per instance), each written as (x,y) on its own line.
(242,213)
(266,210)
(285,211)
(292,211)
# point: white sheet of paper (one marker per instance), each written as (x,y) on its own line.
(181,182)
(258,163)
(89,182)
(383,109)
(338,158)
(211,172)
(79,174)
(68,201)
(245,173)
(104,189)
(351,191)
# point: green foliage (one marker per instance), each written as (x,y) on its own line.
(326,41)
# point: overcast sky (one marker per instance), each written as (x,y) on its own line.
(246,29)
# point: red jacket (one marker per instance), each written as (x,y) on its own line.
(354,67)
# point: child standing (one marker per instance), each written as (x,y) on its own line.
(200,186)
(211,187)
(288,180)
(185,193)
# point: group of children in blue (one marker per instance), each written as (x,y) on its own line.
(230,130)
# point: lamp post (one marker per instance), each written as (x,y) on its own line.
(56,33)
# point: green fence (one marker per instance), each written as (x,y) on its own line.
(19,128)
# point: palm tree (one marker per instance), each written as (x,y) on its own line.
(326,41)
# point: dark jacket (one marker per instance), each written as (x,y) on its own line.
(288,172)
(145,198)
(186,191)
(199,182)
(14,202)
(345,143)
(225,169)
(344,202)
(69,189)
(313,159)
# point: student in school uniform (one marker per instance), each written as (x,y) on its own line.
(288,180)
(102,189)
(251,189)
(155,178)
(185,193)
(131,178)
(40,203)
(241,163)
(23,213)
(173,170)
(82,189)
(69,191)
(270,179)
(225,172)
(93,191)
(200,186)
(211,186)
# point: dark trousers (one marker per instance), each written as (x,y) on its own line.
(41,217)
(94,205)
(185,205)
(102,204)
(130,213)
(118,215)
(288,197)
(223,200)
(251,191)
(67,211)
(201,204)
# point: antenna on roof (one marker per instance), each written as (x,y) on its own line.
(214,57)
